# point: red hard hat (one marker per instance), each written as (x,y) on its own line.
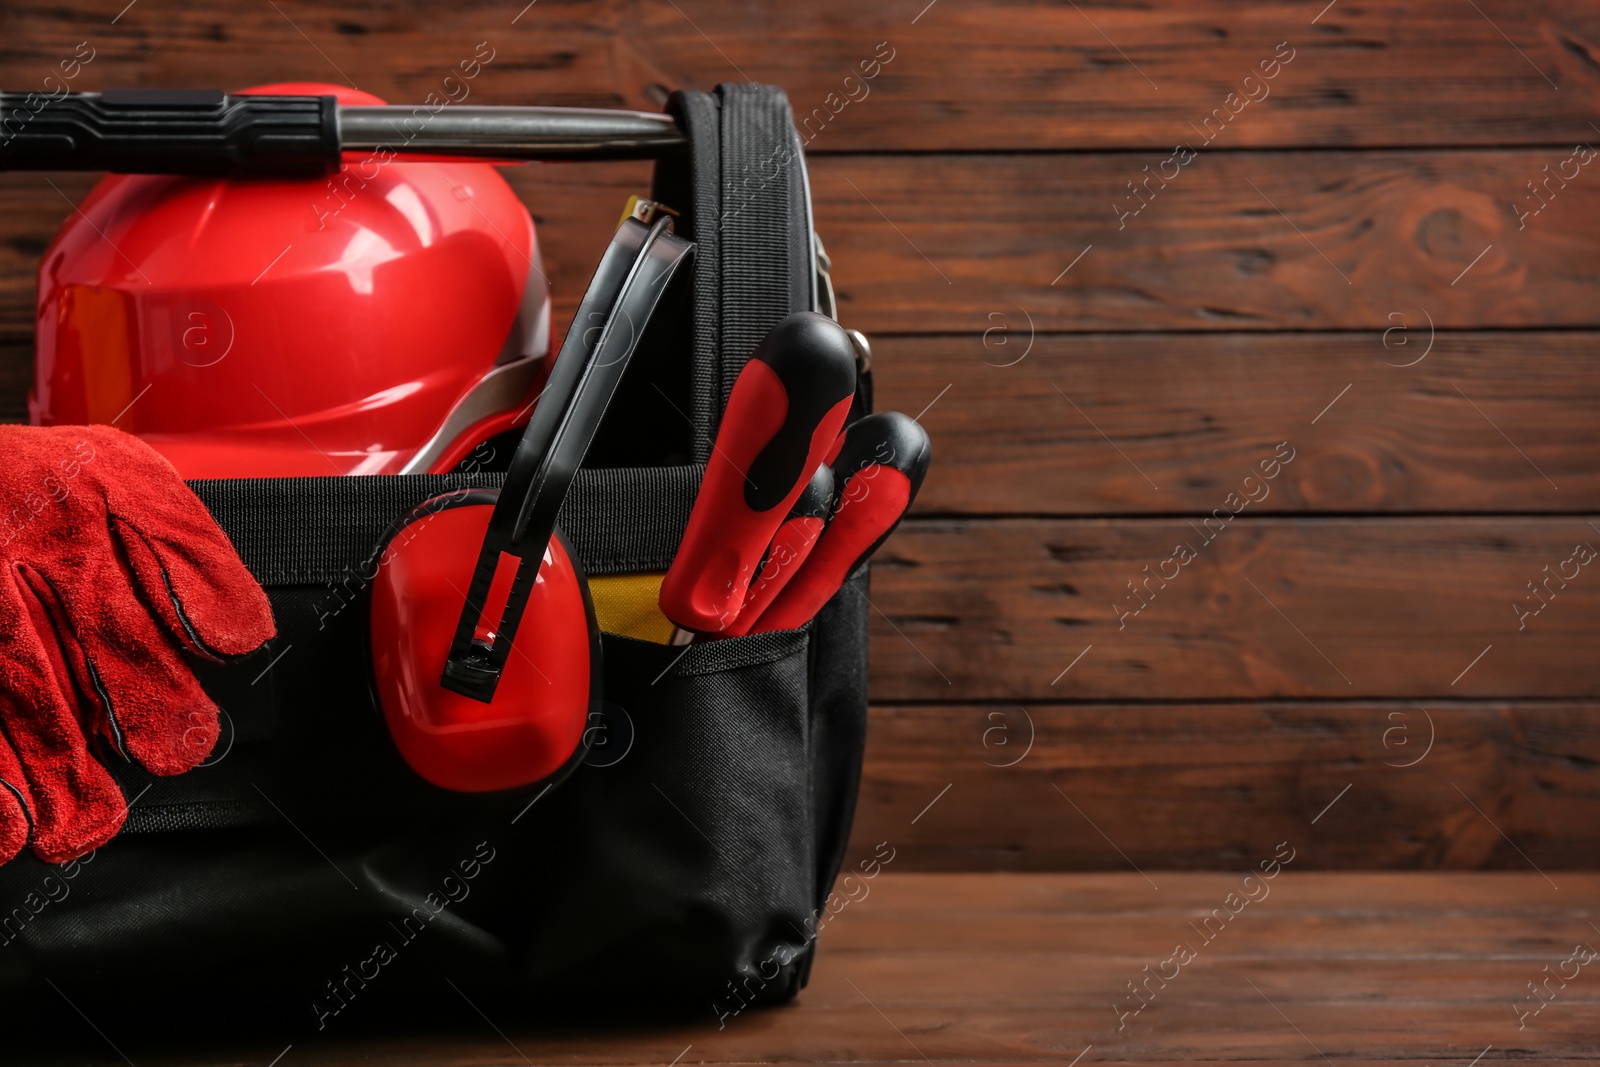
(383,321)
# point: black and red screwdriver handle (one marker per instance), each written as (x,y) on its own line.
(785,411)
(793,542)
(208,132)
(877,474)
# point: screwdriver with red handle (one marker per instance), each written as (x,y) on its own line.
(784,413)
(790,547)
(876,476)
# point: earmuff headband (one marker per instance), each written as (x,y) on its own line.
(621,298)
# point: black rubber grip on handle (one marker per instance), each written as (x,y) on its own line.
(171,131)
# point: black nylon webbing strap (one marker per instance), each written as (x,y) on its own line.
(743,192)
(763,239)
(307,531)
(693,185)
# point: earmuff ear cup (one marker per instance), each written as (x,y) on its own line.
(534,731)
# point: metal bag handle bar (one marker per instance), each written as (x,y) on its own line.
(627,286)
(208,132)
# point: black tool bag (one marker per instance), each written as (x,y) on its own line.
(305,871)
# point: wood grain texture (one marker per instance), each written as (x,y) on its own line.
(1139,423)
(1378,186)
(1004,75)
(1270,608)
(1106,786)
(1385,968)
(1236,241)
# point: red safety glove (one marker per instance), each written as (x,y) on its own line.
(108,565)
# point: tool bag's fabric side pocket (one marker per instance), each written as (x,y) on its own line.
(690,856)
(838,723)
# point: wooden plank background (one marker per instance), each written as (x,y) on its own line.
(1346,265)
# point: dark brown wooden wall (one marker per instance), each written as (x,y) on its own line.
(1346,279)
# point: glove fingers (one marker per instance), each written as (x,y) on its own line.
(194,581)
(76,806)
(147,701)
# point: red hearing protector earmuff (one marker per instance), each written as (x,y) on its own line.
(459,575)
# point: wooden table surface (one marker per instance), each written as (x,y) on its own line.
(1337,968)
